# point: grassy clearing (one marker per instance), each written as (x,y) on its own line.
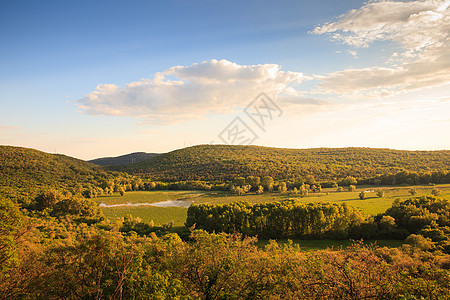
(162,215)
(310,245)
(159,215)
(149,197)
(371,205)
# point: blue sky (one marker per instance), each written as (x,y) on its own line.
(103,78)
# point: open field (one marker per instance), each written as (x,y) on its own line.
(161,215)
(309,245)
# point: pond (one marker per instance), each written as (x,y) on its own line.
(168,203)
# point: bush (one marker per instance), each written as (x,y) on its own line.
(362,195)
(436,192)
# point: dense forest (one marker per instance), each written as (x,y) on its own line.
(24,172)
(53,253)
(225,162)
(55,242)
(123,159)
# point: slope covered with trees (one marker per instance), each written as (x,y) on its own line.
(226,162)
(25,172)
(123,159)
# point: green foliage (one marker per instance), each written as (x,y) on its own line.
(11,221)
(276,219)
(226,162)
(380,193)
(127,159)
(254,181)
(282,189)
(260,190)
(427,216)
(349,180)
(24,173)
(267,183)
(436,192)
(362,195)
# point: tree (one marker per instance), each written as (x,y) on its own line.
(121,191)
(282,188)
(267,183)
(254,181)
(413,191)
(380,193)
(237,190)
(240,181)
(303,191)
(309,179)
(352,188)
(387,225)
(260,190)
(349,180)
(362,195)
(340,189)
(419,241)
(48,199)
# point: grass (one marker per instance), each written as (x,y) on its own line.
(309,245)
(149,197)
(162,215)
(371,205)
(159,215)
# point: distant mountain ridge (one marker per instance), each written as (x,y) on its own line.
(123,160)
(225,162)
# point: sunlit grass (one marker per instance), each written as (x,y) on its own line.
(334,244)
(159,215)
(148,197)
(162,215)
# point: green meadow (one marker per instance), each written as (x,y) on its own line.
(161,215)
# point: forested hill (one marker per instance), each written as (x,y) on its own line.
(26,171)
(224,162)
(123,159)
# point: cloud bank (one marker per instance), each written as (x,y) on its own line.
(186,92)
(421,30)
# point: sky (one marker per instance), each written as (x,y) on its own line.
(91,79)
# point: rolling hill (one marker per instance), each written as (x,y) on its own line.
(24,172)
(126,159)
(224,162)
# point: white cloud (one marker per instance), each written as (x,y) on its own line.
(185,92)
(420,28)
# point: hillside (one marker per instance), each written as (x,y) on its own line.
(224,162)
(25,171)
(126,159)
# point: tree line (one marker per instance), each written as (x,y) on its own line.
(426,216)
(286,219)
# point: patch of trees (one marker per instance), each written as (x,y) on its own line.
(426,216)
(410,178)
(286,219)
